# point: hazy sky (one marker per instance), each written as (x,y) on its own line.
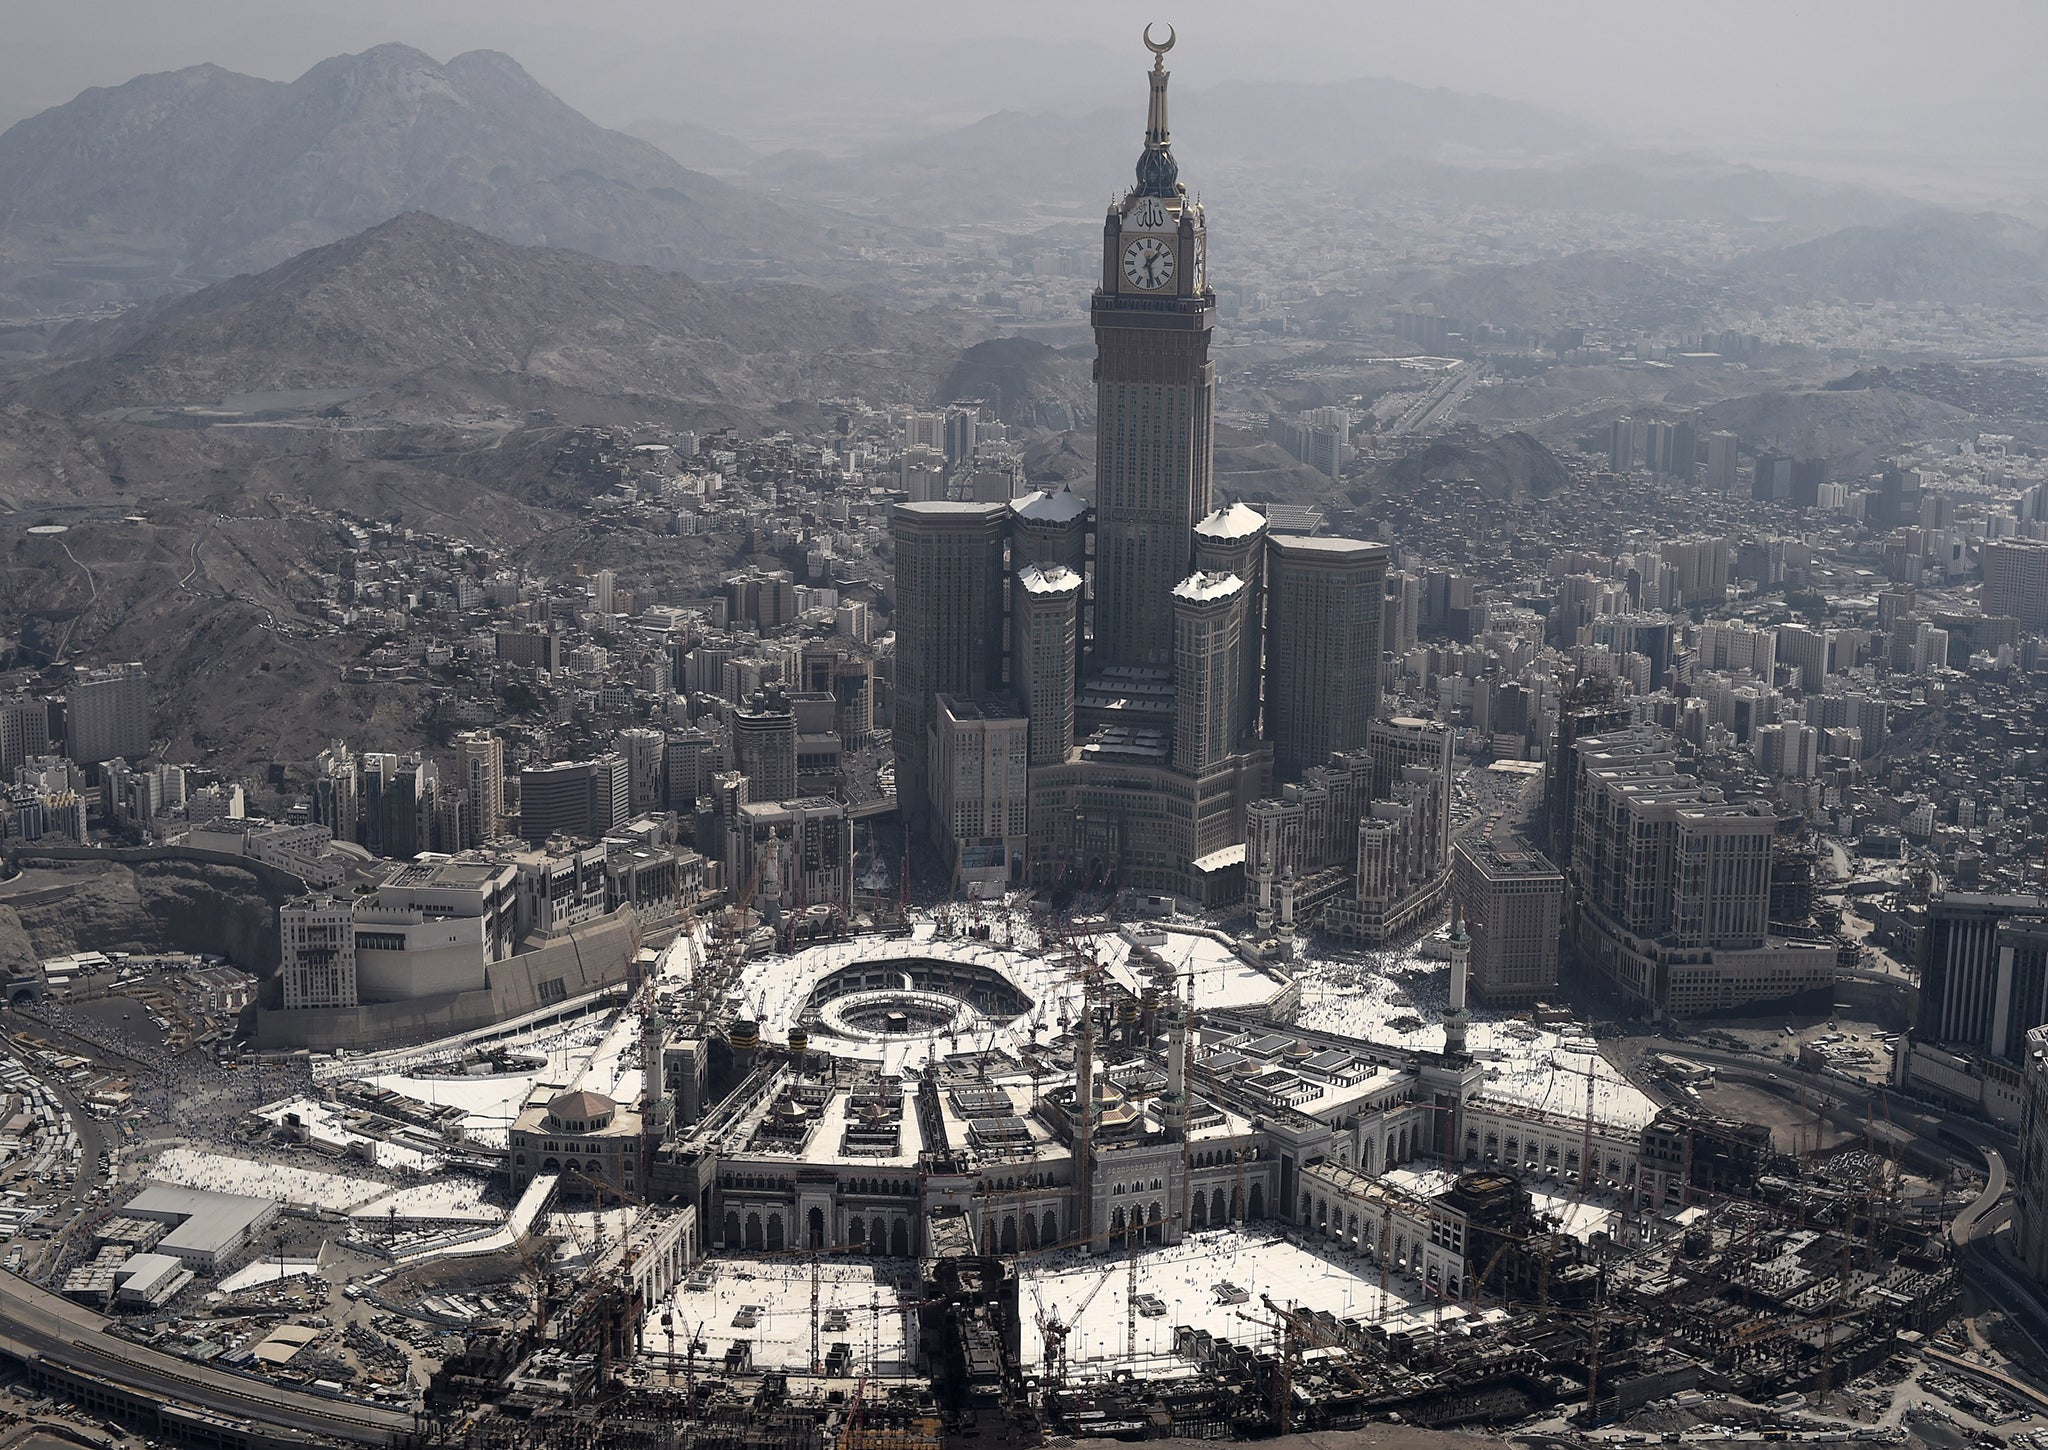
(1937,84)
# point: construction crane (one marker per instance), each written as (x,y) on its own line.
(1055,1333)
(1282,1383)
(849,1431)
(1131,1294)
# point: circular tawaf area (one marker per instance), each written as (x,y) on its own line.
(912,997)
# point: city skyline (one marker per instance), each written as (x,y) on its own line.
(850,806)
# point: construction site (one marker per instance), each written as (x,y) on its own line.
(989,1175)
(990,1179)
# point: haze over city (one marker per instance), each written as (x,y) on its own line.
(912,727)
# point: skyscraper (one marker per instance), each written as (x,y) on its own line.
(764,748)
(949,623)
(2016,580)
(1721,463)
(1208,670)
(1045,613)
(1155,671)
(480,771)
(1983,984)
(1324,600)
(580,799)
(1621,445)
(1155,393)
(24,731)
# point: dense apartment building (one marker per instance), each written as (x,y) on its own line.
(1513,901)
(106,714)
(1672,884)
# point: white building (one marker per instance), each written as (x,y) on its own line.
(979,766)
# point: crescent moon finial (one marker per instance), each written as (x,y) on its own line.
(1154,46)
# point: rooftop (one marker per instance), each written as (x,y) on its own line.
(1345,550)
(1235,522)
(1038,579)
(1052,506)
(1206,588)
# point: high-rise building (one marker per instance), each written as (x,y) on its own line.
(24,731)
(1733,645)
(688,762)
(949,624)
(1672,884)
(602,585)
(764,598)
(317,937)
(980,786)
(337,788)
(1895,503)
(1045,618)
(1653,636)
(1771,481)
(576,799)
(1155,392)
(1720,477)
(1233,540)
(1160,670)
(1682,463)
(1401,868)
(1209,715)
(1621,445)
(531,649)
(2030,1193)
(800,852)
(2016,581)
(764,747)
(107,714)
(645,779)
(1983,986)
(1810,651)
(1702,565)
(1323,606)
(1049,528)
(1657,447)
(480,770)
(1513,900)
(1596,707)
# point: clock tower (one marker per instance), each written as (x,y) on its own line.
(1155,391)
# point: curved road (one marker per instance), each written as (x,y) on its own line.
(1851,1100)
(36,1325)
(1965,1225)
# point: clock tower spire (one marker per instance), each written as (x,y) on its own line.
(1158,173)
(1155,392)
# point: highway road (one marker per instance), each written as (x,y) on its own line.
(1444,395)
(35,1323)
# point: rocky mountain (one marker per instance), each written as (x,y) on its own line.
(1512,466)
(144,906)
(1855,429)
(421,308)
(1289,132)
(1028,384)
(1964,259)
(196,174)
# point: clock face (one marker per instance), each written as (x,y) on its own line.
(1149,263)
